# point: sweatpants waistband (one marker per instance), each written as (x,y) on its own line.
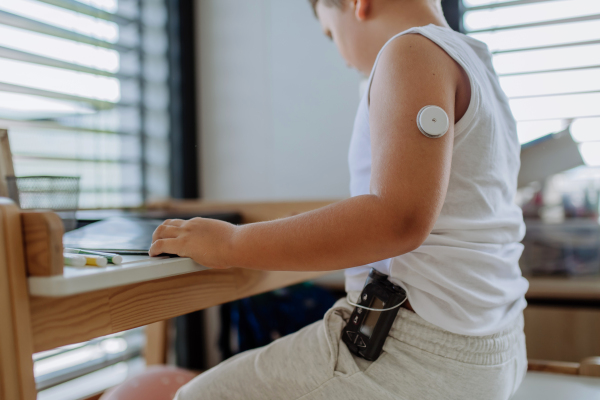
(493,349)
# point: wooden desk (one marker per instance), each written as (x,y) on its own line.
(83,304)
(58,321)
(562,320)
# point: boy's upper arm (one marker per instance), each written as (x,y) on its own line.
(410,172)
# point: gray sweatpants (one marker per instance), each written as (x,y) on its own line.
(419,361)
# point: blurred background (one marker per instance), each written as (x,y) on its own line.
(244,100)
(233,100)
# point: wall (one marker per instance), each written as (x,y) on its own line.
(276,106)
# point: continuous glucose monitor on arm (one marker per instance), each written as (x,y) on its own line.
(433,121)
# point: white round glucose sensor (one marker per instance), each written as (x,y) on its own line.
(433,121)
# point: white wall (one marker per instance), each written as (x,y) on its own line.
(277,103)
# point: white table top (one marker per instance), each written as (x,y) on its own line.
(133,270)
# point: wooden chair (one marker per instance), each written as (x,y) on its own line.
(16,339)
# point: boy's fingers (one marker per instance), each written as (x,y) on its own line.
(168,246)
(174,222)
(165,232)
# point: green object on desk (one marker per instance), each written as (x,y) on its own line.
(110,257)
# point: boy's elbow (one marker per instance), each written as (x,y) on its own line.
(412,232)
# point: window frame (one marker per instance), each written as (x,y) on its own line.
(184,137)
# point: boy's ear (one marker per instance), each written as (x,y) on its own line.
(361,9)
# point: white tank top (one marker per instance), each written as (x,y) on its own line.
(465,277)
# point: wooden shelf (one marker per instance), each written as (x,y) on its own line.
(582,288)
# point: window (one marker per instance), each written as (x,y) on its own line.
(547,56)
(84,92)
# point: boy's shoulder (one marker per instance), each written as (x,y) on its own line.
(412,68)
(412,54)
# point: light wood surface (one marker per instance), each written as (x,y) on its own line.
(6,163)
(562,333)
(42,237)
(554,367)
(157,343)
(250,211)
(9,377)
(5,154)
(16,347)
(65,320)
(589,366)
(564,288)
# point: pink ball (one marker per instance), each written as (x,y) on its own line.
(156,383)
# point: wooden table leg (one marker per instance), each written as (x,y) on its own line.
(157,343)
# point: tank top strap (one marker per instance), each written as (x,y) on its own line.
(368,91)
(455,48)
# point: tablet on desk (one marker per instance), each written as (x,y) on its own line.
(127,233)
(127,236)
(124,236)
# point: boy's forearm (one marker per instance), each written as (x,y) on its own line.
(349,233)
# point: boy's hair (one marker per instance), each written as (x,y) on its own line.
(337,3)
(329,3)
(340,3)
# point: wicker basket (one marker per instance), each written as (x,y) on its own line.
(58,193)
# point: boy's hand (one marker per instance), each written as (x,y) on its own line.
(206,241)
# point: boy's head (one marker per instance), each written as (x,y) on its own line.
(360,27)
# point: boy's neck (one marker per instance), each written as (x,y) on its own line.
(399,16)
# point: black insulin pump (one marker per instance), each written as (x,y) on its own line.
(367,329)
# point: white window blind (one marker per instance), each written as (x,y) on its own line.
(84,92)
(547,56)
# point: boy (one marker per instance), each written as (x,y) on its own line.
(434,214)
